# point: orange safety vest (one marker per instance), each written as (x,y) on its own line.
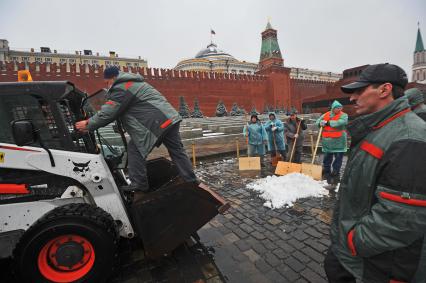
(330,132)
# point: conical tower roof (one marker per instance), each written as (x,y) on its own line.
(268,26)
(419,42)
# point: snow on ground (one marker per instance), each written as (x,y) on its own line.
(279,191)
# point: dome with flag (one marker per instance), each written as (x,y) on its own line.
(212,59)
(211,51)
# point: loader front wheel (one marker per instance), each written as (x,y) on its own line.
(72,243)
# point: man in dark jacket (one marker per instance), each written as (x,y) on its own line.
(294,132)
(379,223)
(148,118)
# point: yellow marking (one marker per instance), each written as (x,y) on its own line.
(2,157)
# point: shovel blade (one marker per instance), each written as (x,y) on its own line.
(249,163)
(313,170)
(284,168)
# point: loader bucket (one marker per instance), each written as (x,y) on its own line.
(164,219)
(167,217)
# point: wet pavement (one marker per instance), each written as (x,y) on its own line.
(252,243)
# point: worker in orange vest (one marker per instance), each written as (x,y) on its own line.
(334,141)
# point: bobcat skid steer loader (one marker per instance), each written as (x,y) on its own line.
(62,212)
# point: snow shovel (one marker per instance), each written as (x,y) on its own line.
(310,169)
(276,158)
(247,163)
(284,168)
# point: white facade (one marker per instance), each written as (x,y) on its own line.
(419,67)
(308,74)
(45,55)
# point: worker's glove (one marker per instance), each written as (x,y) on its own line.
(323,123)
(274,129)
(296,136)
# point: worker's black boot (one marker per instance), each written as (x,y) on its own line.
(334,178)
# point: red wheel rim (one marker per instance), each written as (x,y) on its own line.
(52,270)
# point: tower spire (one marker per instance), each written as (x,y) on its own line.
(419,41)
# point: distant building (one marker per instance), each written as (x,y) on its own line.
(212,59)
(419,66)
(308,74)
(87,57)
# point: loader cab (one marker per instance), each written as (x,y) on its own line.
(52,108)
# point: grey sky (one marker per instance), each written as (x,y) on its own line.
(329,35)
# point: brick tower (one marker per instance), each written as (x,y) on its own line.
(270,53)
(271,64)
(419,66)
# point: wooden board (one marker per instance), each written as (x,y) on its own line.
(249,163)
(313,170)
(275,160)
(284,168)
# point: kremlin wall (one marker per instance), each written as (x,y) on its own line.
(274,88)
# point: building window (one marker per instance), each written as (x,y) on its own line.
(14,58)
(86,61)
(95,62)
(117,63)
(136,64)
(128,64)
(62,61)
(25,59)
(107,63)
(38,59)
(48,60)
(72,61)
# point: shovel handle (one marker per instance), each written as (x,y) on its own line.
(238,148)
(294,143)
(316,145)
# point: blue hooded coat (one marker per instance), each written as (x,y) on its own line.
(277,135)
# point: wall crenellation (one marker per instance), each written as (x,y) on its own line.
(89,70)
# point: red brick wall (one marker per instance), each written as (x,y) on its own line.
(272,86)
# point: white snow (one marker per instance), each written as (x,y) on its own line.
(279,191)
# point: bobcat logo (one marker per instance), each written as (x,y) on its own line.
(81,168)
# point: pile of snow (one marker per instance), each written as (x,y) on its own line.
(279,191)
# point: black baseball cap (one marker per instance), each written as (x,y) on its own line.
(378,74)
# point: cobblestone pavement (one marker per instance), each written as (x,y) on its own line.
(252,243)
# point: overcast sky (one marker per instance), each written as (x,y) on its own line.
(329,35)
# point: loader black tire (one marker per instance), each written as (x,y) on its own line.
(71,243)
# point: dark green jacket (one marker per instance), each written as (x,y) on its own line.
(379,223)
(420,110)
(416,101)
(145,113)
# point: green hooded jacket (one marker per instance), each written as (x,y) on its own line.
(145,113)
(379,222)
(331,145)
